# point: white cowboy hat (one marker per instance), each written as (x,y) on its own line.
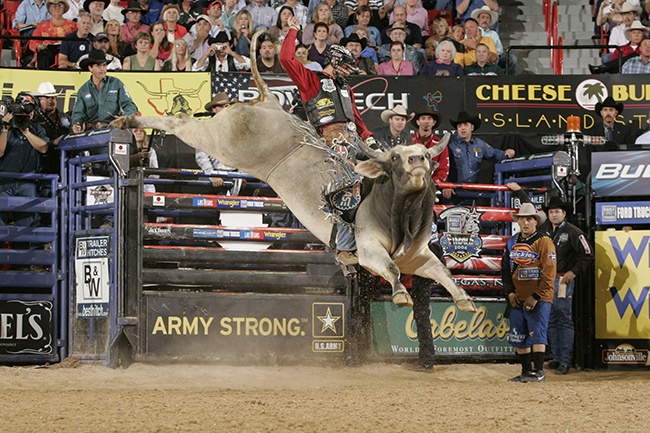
(398,110)
(636,25)
(494,16)
(45,89)
(628,7)
(528,209)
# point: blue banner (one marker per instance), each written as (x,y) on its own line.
(623,212)
(620,173)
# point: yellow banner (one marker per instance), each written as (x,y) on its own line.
(622,284)
(155,93)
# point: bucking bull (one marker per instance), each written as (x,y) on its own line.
(393,222)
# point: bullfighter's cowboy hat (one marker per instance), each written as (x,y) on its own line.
(88,2)
(355,38)
(464,117)
(220,98)
(609,102)
(66,6)
(494,16)
(557,203)
(528,209)
(425,111)
(398,26)
(628,7)
(133,7)
(398,110)
(46,89)
(95,56)
(636,25)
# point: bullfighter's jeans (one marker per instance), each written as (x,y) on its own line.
(18,189)
(560,324)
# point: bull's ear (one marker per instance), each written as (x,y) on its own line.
(371,168)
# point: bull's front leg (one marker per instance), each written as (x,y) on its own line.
(376,260)
(434,270)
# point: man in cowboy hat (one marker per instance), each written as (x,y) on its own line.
(100,99)
(614,132)
(398,33)
(528,272)
(473,37)
(96,9)
(465,8)
(395,133)
(413,34)
(486,18)
(133,21)
(356,45)
(467,153)
(219,56)
(636,33)
(641,63)
(629,13)
(55,123)
(425,120)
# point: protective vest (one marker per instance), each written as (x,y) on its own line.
(332,103)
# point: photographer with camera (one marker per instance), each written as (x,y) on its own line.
(21,145)
(55,123)
(221,58)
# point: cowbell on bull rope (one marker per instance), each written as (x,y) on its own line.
(261,139)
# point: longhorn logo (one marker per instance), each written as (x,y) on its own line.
(170,99)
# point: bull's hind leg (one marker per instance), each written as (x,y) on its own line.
(435,270)
(379,263)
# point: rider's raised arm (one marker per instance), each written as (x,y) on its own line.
(306,80)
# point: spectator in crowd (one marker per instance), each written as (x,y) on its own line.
(267,60)
(22,142)
(29,14)
(331,84)
(215,14)
(190,10)
(161,48)
(221,58)
(133,13)
(180,59)
(114,12)
(263,15)
(56,26)
(362,19)
(617,36)
(443,65)
(299,10)
(609,14)
(414,34)
(473,37)
(643,135)
(302,55)
(243,32)
(486,19)
(396,65)
(458,33)
(76,6)
(229,10)
(635,34)
(464,8)
(641,63)
(395,133)
(96,9)
(467,152)
(398,33)
(368,52)
(197,38)
(528,284)
(55,123)
(356,45)
(339,11)
(100,42)
(425,120)
(100,99)
(170,15)
(415,14)
(482,66)
(322,14)
(143,155)
(70,50)
(116,46)
(152,9)
(281,27)
(379,13)
(440,31)
(318,48)
(142,60)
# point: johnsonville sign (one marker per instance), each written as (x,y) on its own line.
(456,333)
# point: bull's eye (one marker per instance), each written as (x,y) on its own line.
(395,157)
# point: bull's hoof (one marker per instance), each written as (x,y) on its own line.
(403,299)
(466,305)
(119,123)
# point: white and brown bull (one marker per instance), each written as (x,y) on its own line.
(261,139)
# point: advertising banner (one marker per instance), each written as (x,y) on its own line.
(623,212)
(455,333)
(91,277)
(245,326)
(622,285)
(620,173)
(26,327)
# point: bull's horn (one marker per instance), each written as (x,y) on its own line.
(259,81)
(372,153)
(438,148)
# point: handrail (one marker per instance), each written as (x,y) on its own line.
(563,47)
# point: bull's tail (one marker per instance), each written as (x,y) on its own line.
(259,81)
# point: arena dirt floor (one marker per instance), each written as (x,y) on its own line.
(69,397)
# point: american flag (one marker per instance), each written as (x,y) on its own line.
(232,82)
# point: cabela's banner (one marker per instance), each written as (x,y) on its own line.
(455,333)
(622,285)
(155,94)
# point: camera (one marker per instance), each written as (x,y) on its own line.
(219,47)
(21,109)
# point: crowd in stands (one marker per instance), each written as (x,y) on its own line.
(388,37)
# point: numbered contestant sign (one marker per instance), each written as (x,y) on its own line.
(91,276)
